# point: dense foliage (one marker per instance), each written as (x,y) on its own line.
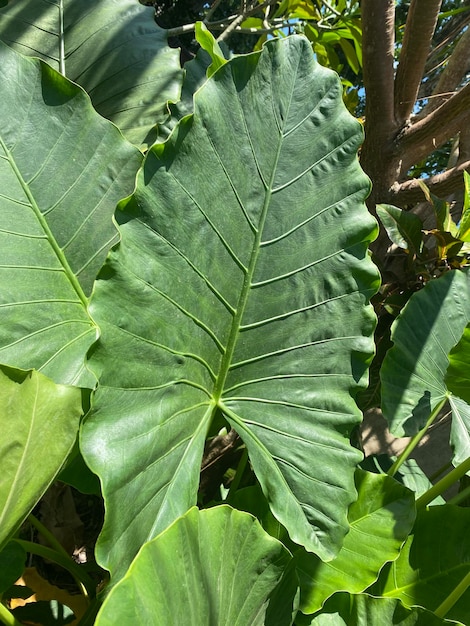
(187,331)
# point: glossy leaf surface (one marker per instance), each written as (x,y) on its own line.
(112,48)
(57,197)
(216,566)
(413,371)
(380,521)
(433,561)
(39,426)
(242,282)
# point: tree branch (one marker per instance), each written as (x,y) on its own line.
(231,27)
(424,136)
(420,25)
(378,22)
(442,185)
(457,66)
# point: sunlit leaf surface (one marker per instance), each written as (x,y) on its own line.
(241,286)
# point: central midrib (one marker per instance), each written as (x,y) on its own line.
(45,227)
(242,300)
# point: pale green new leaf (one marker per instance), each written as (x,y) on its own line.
(433,561)
(212,567)
(240,286)
(208,43)
(413,371)
(63,168)
(112,48)
(364,610)
(39,427)
(380,521)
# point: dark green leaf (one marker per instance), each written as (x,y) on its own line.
(63,168)
(243,285)
(12,563)
(112,49)
(403,228)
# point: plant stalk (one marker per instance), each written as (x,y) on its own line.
(7,618)
(47,535)
(443,484)
(414,441)
(462,495)
(452,598)
(83,580)
(238,476)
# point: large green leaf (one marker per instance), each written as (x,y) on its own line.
(364,610)
(112,48)
(39,427)
(213,567)
(380,521)
(433,561)
(413,371)
(240,286)
(63,168)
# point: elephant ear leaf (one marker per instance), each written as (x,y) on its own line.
(58,194)
(220,568)
(240,288)
(113,49)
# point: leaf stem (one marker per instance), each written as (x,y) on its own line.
(443,484)
(414,441)
(7,617)
(453,597)
(462,495)
(83,580)
(238,476)
(47,535)
(440,471)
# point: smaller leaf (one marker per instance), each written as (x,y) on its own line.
(364,610)
(380,521)
(458,372)
(433,561)
(413,371)
(207,41)
(441,210)
(410,474)
(215,566)
(460,430)
(40,424)
(404,229)
(350,54)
